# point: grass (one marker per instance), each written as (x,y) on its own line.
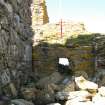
(82,40)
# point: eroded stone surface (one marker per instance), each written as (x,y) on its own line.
(15,43)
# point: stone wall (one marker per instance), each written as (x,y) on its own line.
(99,51)
(99,43)
(45,59)
(40,15)
(15,41)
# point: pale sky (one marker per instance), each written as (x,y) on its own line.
(91,12)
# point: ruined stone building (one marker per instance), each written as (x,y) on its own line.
(16,18)
(40,15)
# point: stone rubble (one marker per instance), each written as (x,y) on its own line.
(83,96)
(17,85)
(54,104)
(53,78)
(101,91)
(20,102)
(82,83)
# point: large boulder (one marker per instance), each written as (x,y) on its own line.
(98,100)
(29,93)
(78,103)
(77,95)
(101,91)
(84,84)
(68,85)
(54,104)
(51,79)
(21,102)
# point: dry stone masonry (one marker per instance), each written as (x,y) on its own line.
(15,43)
(40,15)
(99,43)
(44,84)
(99,46)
